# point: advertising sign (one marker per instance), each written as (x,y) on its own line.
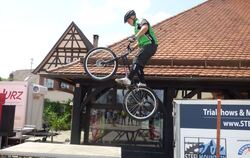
(196,128)
(234,117)
(16,94)
(198,147)
(2,101)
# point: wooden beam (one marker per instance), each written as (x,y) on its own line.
(85,111)
(236,94)
(76,117)
(168,134)
(199,96)
(192,93)
(87,123)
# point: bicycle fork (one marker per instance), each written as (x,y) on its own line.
(126,67)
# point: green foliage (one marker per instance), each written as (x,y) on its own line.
(57,115)
(2,79)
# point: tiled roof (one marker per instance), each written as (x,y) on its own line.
(210,40)
(214,30)
(171,71)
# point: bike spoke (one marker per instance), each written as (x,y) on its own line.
(141,103)
(142,112)
(133,108)
(100,64)
(143,94)
(147,108)
(135,98)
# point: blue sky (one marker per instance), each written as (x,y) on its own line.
(30,28)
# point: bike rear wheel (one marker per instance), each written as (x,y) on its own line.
(100,63)
(140,103)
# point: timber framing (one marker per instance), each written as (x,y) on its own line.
(71,46)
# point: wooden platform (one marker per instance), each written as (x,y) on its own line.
(33,149)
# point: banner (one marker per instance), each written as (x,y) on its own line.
(2,101)
(196,129)
(235,117)
(16,94)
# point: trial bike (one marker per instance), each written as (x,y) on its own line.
(101,63)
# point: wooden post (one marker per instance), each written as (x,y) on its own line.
(76,117)
(218,128)
(168,133)
(87,123)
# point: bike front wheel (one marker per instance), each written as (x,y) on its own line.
(100,63)
(140,103)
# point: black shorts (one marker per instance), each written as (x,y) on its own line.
(145,53)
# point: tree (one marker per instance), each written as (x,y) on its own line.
(57,115)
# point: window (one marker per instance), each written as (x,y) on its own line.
(114,126)
(64,85)
(110,124)
(49,83)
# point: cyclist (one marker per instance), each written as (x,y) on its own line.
(147,43)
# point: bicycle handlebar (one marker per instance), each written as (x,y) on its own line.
(129,47)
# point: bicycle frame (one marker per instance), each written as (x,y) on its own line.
(124,57)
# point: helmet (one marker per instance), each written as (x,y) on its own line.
(128,15)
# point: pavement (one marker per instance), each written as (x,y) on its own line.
(62,137)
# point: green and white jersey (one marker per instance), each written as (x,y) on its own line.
(149,37)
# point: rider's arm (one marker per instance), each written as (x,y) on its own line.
(143,28)
(142,31)
(135,46)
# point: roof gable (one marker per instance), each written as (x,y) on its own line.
(71,46)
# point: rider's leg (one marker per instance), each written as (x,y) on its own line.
(138,69)
(135,70)
(139,61)
(140,74)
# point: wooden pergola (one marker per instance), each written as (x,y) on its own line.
(203,50)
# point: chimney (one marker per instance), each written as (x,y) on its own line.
(95,40)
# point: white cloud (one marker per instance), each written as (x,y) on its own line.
(29,33)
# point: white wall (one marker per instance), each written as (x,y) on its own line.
(60,96)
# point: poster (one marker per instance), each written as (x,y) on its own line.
(16,94)
(197,129)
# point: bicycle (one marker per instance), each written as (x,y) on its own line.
(140,102)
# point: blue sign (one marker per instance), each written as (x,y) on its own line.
(198,147)
(244,150)
(236,117)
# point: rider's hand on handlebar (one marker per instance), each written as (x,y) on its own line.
(132,39)
(132,48)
